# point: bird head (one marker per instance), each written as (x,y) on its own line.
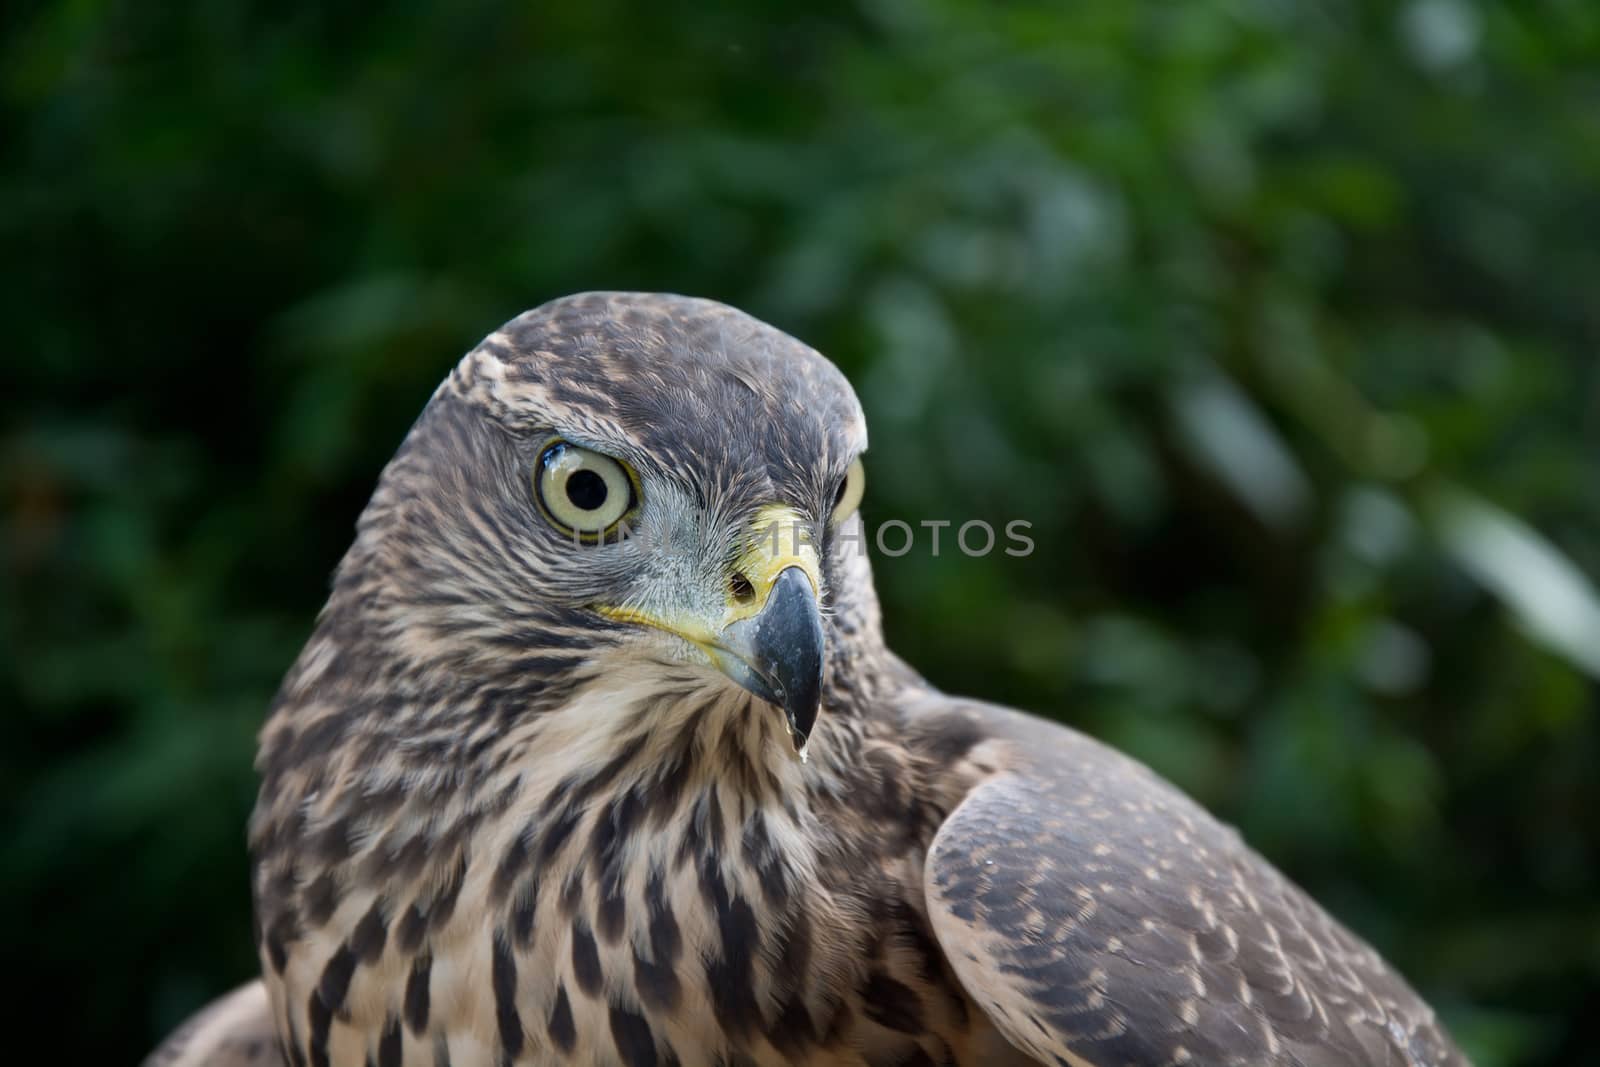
(616,478)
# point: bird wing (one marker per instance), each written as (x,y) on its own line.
(1100,917)
(232,1031)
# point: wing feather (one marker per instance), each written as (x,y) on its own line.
(1103,919)
(232,1031)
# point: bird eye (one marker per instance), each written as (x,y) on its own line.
(583,493)
(848,497)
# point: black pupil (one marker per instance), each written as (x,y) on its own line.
(840,494)
(586,490)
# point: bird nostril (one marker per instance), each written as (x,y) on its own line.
(743,592)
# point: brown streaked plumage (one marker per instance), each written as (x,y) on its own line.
(521,802)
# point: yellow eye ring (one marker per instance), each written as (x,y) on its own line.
(848,496)
(582,493)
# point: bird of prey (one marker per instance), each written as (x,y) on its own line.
(597,756)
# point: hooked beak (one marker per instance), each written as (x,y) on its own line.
(768,638)
(777,653)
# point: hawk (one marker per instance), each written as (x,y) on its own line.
(597,756)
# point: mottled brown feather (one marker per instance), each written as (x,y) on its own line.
(1101,917)
(496,826)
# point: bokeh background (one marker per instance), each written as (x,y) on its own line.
(1278,319)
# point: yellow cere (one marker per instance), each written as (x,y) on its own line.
(779,538)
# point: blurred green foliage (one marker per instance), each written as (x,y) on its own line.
(1276,318)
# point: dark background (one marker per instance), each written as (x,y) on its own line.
(1276,318)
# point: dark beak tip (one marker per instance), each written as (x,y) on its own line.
(785,645)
